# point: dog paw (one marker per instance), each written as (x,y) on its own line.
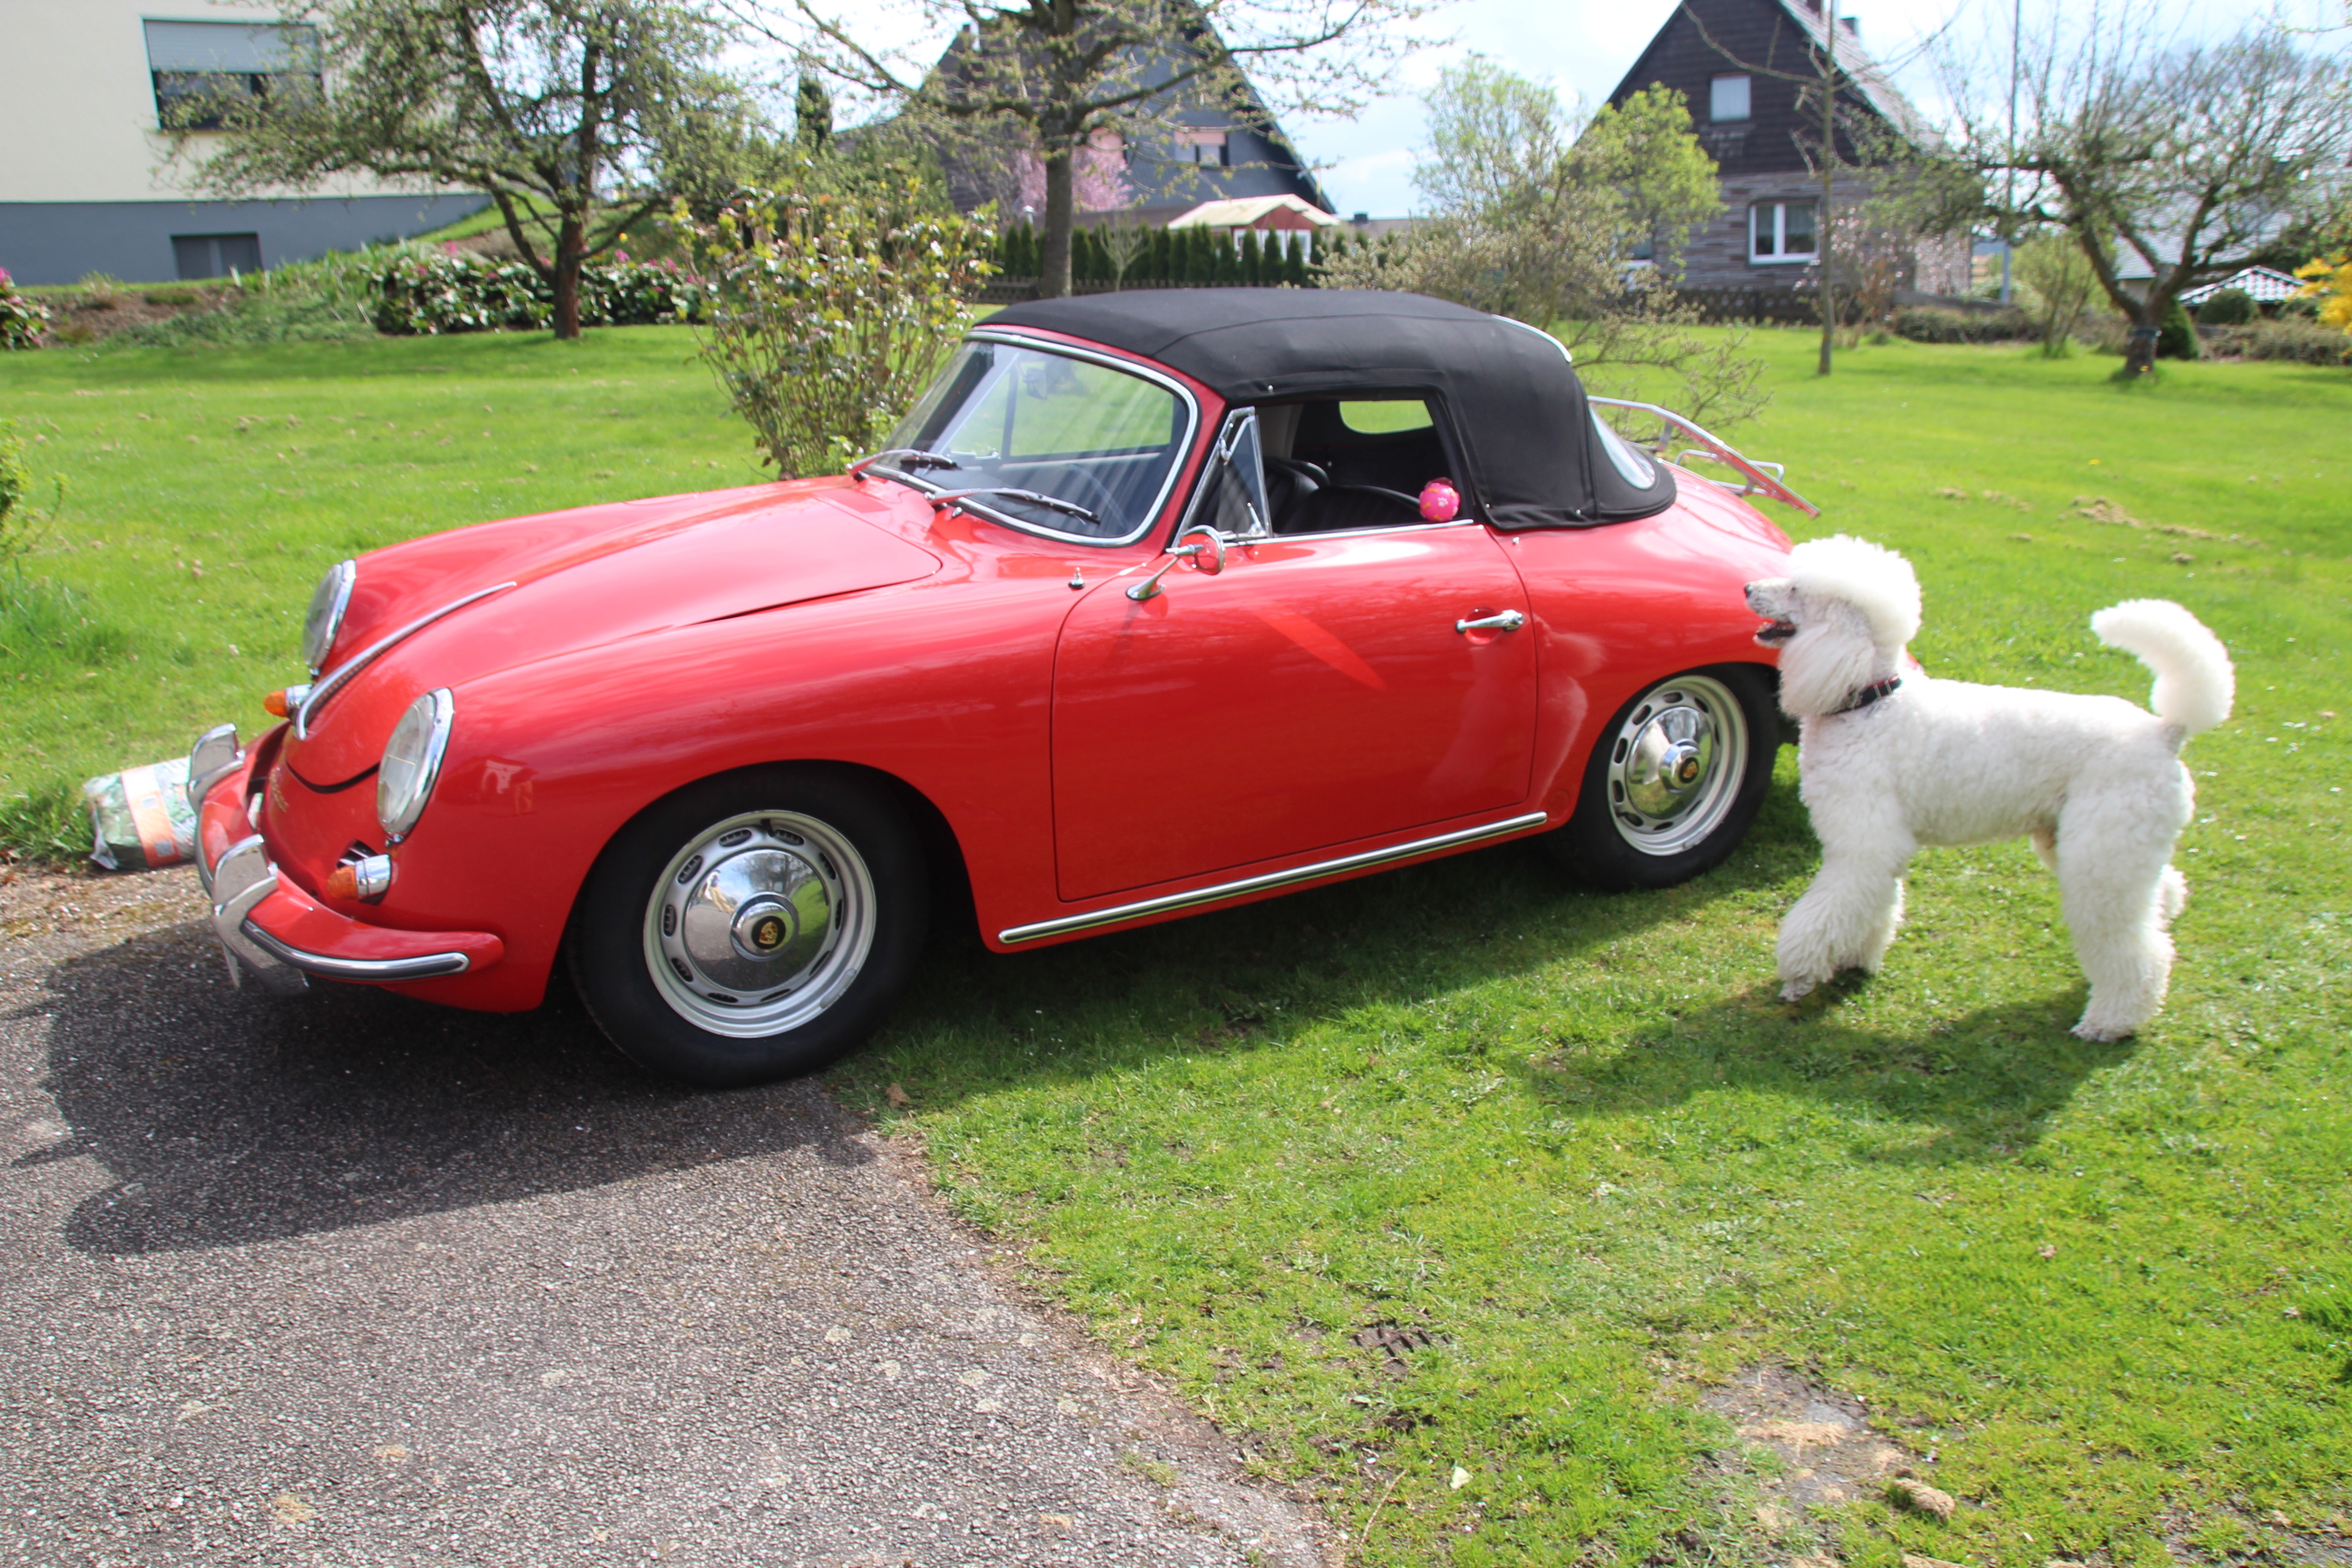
(1797,990)
(2104,1034)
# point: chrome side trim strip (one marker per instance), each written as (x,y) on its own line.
(351,667)
(422,967)
(1321,868)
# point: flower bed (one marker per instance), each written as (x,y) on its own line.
(466,293)
(22,321)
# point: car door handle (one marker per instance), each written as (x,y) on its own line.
(1508,621)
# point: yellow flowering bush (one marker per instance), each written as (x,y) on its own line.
(2329,281)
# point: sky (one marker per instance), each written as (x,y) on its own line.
(1583,46)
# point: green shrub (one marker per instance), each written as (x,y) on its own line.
(2299,339)
(424,293)
(1937,324)
(2230,308)
(2177,338)
(831,312)
(22,321)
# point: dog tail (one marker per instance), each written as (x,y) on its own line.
(2194,681)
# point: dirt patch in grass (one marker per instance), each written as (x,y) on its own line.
(1828,1454)
(83,317)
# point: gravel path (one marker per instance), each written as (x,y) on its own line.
(350,1279)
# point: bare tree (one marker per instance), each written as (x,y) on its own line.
(1057,78)
(553,108)
(1536,215)
(2187,158)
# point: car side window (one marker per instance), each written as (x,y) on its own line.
(1338,464)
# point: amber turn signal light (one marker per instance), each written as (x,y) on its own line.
(366,880)
(283,703)
(274,704)
(342,882)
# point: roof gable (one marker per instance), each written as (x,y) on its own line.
(1768,40)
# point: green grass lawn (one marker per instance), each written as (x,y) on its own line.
(2103,1293)
(208,489)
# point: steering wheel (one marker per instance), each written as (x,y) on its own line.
(1411,503)
(1300,469)
(1099,499)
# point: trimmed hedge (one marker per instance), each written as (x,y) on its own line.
(2299,340)
(1935,324)
(2230,308)
(435,294)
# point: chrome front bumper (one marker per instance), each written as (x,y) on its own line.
(241,878)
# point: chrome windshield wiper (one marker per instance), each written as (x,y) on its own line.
(1055,503)
(908,457)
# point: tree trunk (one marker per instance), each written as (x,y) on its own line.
(2147,328)
(1825,229)
(571,250)
(1054,267)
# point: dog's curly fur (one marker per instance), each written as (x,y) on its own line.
(2095,783)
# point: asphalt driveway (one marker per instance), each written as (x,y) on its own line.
(350,1279)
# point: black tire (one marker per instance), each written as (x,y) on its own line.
(1725,721)
(751,927)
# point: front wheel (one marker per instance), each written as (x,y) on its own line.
(1673,781)
(751,927)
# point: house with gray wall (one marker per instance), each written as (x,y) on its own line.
(88,179)
(1740,65)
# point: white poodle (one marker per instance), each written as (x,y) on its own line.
(1892,759)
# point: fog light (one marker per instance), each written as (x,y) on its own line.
(366,880)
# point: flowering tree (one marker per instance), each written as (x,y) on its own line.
(1053,76)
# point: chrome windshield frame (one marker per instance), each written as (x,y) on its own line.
(1152,514)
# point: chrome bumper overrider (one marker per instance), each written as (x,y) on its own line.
(243,878)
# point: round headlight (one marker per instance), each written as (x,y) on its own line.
(326,614)
(411,760)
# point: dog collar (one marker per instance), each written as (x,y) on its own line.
(1868,695)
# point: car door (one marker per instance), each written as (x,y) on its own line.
(1317,689)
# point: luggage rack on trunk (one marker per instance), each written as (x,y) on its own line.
(1755,478)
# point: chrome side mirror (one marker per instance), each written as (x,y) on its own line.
(1207,557)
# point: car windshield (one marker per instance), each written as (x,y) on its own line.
(1020,424)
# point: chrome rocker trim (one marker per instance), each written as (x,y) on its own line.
(1271,879)
(351,667)
(242,880)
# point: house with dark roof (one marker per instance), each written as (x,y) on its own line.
(1185,156)
(1742,65)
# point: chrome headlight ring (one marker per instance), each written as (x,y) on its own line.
(325,616)
(412,761)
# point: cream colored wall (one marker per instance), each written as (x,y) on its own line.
(77,106)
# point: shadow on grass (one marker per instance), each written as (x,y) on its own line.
(1972,1086)
(1979,1084)
(222,1118)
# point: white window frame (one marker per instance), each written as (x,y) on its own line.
(1779,255)
(1719,88)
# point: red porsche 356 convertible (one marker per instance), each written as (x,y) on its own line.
(1159,601)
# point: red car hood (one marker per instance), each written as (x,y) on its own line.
(583,579)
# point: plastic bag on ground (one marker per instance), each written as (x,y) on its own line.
(140,819)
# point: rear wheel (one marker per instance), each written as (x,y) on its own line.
(751,927)
(1673,781)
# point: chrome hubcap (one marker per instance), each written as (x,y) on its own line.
(760,924)
(1675,763)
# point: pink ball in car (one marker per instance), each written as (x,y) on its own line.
(1440,501)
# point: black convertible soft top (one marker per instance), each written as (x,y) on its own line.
(1536,457)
